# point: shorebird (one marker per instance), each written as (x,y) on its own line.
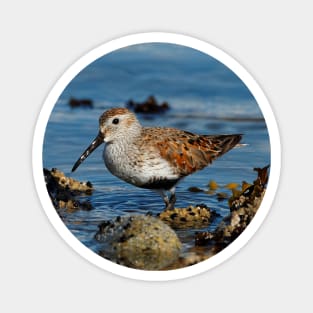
(153,157)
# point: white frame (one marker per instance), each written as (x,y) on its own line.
(70,74)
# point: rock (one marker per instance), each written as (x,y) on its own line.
(148,106)
(191,217)
(76,103)
(63,190)
(139,241)
(243,207)
(188,260)
(74,205)
(203,238)
(71,183)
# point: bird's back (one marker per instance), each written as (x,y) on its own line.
(187,152)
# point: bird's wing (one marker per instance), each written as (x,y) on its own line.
(187,152)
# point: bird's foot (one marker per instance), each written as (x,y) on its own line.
(169,206)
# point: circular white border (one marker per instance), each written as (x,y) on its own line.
(70,74)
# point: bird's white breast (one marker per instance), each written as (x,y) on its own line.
(136,167)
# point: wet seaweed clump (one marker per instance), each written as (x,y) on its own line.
(243,206)
(148,106)
(80,103)
(63,191)
(138,241)
(191,217)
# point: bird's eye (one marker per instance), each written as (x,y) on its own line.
(115,121)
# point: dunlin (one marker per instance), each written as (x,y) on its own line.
(153,157)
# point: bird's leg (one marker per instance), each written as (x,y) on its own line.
(166,201)
(164,196)
(171,203)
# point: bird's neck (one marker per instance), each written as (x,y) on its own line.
(127,138)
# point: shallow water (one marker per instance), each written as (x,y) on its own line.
(195,106)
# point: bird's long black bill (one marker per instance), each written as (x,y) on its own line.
(93,146)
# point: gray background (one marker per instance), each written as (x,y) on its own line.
(39,41)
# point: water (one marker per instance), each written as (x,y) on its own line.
(205,97)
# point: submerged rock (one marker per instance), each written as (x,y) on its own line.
(139,241)
(195,189)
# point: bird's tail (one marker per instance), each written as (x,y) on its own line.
(224,143)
